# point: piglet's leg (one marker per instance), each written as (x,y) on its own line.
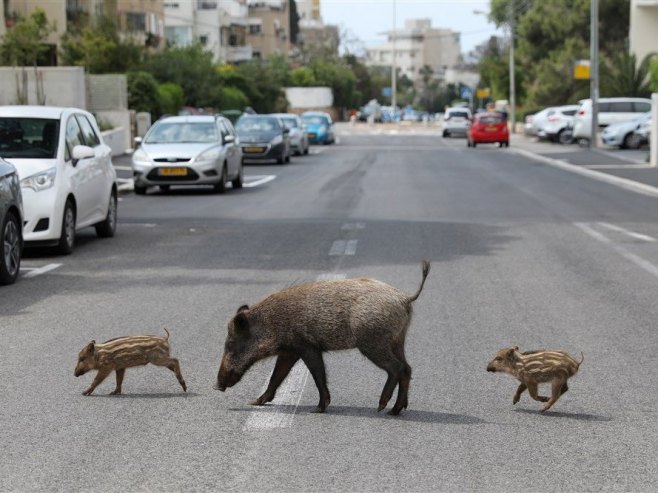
(119,373)
(173,365)
(522,388)
(100,376)
(284,363)
(555,395)
(532,389)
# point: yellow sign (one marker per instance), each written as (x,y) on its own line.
(483,92)
(581,70)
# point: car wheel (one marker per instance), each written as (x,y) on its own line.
(474,144)
(140,189)
(287,158)
(280,159)
(507,144)
(565,137)
(631,142)
(164,188)
(220,186)
(446,133)
(67,238)
(107,227)
(10,248)
(238,180)
(306,150)
(468,143)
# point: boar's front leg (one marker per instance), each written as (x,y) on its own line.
(522,388)
(119,373)
(284,363)
(312,358)
(100,376)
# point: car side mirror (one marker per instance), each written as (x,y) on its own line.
(286,131)
(81,152)
(137,141)
(229,139)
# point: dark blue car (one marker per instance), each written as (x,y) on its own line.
(11,223)
(319,127)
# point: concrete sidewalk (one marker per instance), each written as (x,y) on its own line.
(627,164)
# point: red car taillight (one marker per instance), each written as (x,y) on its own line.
(581,112)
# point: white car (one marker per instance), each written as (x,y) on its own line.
(67,178)
(298,136)
(557,120)
(611,110)
(456,121)
(188,150)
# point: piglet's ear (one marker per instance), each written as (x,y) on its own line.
(243,308)
(511,353)
(91,347)
(241,323)
(516,348)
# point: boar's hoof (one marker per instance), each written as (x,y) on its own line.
(87,392)
(115,392)
(515,399)
(381,406)
(262,400)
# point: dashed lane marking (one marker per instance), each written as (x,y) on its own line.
(627,232)
(37,271)
(343,247)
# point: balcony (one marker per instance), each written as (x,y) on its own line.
(236,54)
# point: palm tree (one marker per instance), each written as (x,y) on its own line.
(622,76)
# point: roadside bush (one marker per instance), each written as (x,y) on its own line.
(143,94)
(232,98)
(171,97)
(653,74)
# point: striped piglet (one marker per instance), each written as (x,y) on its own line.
(125,352)
(534,367)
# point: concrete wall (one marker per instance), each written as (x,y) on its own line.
(62,86)
(116,139)
(307,98)
(643,32)
(119,119)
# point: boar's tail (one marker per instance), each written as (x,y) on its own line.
(582,358)
(426,270)
(165,329)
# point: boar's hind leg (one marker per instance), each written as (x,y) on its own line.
(173,365)
(312,358)
(284,363)
(386,360)
(119,373)
(402,400)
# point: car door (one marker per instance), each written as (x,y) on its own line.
(98,172)
(230,148)
(80,172)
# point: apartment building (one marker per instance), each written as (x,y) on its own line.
(268,27)
(417,45)
(143,20)
(219,25)
(314,35)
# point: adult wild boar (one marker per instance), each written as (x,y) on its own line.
(305,321)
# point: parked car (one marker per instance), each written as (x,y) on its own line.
(488,128)
(297,132)
(264,137)
(11,223)
(539,119)
(188,150)
(642,134)
(66,173)
(611,110)
(456,121)
(621,134)
(558,119)
(319,126)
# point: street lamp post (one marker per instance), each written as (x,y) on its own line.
(512,74)
(394,66)
(594,71)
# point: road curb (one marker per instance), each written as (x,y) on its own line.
(625,183)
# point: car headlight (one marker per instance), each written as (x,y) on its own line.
(209,155)
(40,181)
(276,140)
(140,157)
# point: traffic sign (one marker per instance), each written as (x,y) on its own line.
(467,93)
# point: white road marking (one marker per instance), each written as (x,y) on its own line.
(617,166)
(254,181)
(123,168)
(317,150)
(343,247)
(141,225)
(632,234)
(280,413)
(37,271)
(636,259)
(352,226)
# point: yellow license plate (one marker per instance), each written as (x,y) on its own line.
(311,136)
(172,171)
(253,149)
(490,129)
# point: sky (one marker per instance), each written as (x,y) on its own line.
(367,19)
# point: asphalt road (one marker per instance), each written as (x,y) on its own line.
(522,254)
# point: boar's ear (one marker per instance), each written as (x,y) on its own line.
(91,347)
(243,308)
(516,348)
(241,323)
(511,353)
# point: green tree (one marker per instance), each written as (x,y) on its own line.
(302,77)
(653,74)
(622,76)
(25,43)
(232,98)
(172,97)
(143,94)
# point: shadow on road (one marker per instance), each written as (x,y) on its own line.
(176,395)
(558,414)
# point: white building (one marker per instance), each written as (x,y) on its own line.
(219,25)
(417,45)
(643,32)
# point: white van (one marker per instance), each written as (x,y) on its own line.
(611,110)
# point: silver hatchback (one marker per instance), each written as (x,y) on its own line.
(11,223)
(188,150)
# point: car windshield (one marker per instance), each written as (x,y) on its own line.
(290,122)
(256,124)
(28,138)
(491,119)
(315,120)
(458,114)
(182,133)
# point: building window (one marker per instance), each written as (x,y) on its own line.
(206,5)
(170,5)
(136,21)
(256,54)
(254,29)
(203,39)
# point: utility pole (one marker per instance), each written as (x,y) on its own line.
(594,71)
(394,65)
(512,73)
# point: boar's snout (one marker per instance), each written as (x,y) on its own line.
(491,368)
(79,372)
(226,379)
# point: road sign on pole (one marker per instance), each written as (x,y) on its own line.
(467,93)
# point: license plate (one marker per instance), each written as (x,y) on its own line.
(311,136)
(490,129)
(172,171)
(253,149)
